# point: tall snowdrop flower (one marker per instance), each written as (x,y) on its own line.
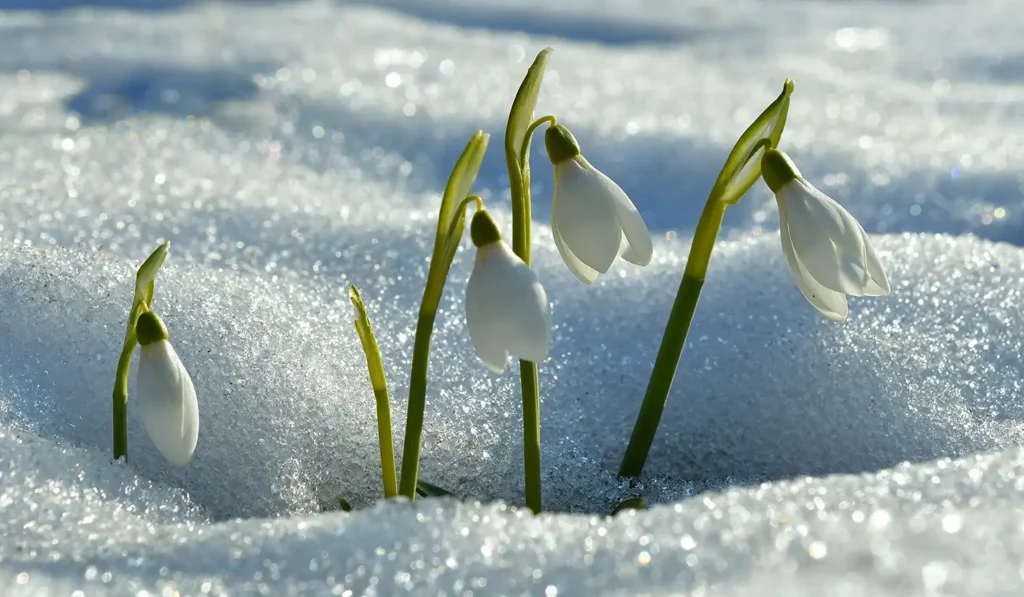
(166,396)
(592,219)
(507,310)
(829,254)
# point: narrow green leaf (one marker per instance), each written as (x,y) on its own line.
(522,112)
(374,362)
(344,505)
(375,366)
(743,166)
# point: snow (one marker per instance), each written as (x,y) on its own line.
(289,149)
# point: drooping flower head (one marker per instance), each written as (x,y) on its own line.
(592,219)
(165,394)
(828,252)
(507,310)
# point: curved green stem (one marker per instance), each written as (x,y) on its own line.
(121,401)
(676,330)
(524,150)
(741,170)
(124,364)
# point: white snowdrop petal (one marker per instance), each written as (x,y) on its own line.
(639,247)
(826,238)
(584,208)
(525,313)
(484,329)
(167,402)
(582,271)
(829,303)
(878,284)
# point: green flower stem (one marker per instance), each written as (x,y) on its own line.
(450,223)
(420,362)
(417,404)
(121,401)
(124,363)
(531,434)
(524,151)
(519,175)
(674,338)
(517,159)
(741,170)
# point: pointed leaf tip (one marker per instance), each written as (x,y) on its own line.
(522,112)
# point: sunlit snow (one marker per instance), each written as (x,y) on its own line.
(289,149)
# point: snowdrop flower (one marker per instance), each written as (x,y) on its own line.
(592,219)
(166,396)
(829,254)
(507,310)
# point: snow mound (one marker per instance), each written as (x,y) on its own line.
(765,390)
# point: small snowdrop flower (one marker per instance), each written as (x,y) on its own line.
(592,219)
(507,310)
(829,254)
(165,394)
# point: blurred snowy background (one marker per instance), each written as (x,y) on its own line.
(287,149)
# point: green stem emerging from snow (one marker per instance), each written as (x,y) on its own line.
(521,127)
(672,342)
(741,170)
(450,224)
(121,400)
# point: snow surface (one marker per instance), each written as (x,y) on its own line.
(289,149)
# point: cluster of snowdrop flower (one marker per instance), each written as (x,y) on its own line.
(593,222)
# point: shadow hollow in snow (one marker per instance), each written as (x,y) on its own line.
(583,26)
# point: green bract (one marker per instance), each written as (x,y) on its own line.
(743,165)
(145,279)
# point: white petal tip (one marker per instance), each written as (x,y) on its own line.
(587,278)
(637,258)
(179,460)
(876,289)
(494,367)
(836,317)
